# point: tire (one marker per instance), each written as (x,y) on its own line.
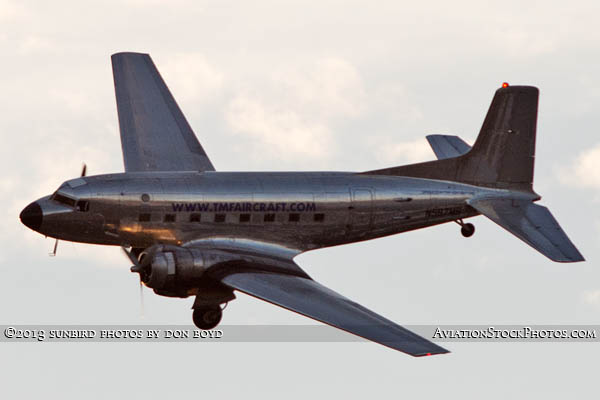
(467,230)
(207,317)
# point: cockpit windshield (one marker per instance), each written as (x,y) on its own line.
(62,199)
(79,205)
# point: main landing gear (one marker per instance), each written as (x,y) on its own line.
(207,317)
(467,230)
(211,300)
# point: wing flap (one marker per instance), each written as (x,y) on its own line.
(446,146)
(531,223)
(155,135)
(316,301)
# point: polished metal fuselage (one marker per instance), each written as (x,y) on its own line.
(296,210)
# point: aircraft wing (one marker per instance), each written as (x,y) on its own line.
(155,135)
(288,286)
(446,146)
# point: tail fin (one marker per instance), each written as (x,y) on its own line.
(504,152)
(502,157)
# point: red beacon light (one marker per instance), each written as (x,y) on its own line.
(504,85)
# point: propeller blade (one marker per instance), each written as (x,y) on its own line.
(83,170)
(137,267)
(133,259)
(142,311)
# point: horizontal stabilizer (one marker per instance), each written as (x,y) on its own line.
(531,223)
(314,300)
(446,146)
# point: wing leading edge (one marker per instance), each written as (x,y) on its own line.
(310,298)
(155,135)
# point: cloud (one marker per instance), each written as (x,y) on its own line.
(10,10)
(75,100)
(150,3)
(277,131)
(395,102)
(35,44)
(591,297)
(190,77)
(585,170)
(332,87)
(524,40)
(405,152)
(294,114)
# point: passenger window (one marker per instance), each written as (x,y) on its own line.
(169,217)
(219,217)
(320,217)
(244,217)
(294,217)
(194,217)
(83,205)
(144,218)
(269,217)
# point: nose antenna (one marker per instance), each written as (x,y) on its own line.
(83,173)
(53,253)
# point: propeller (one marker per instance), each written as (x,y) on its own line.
(137,267)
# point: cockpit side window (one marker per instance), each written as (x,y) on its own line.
(83,205)
(62,199)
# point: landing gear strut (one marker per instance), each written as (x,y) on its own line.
(467,230)
(207,317)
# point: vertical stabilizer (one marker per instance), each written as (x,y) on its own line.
(504,152)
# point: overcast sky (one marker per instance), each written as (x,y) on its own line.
(305,85)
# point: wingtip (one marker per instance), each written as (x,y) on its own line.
(571,256)
(433,350)
(129,54)
(444,351)
(578,259)
(569,260)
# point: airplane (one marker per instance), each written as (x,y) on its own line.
(192,231)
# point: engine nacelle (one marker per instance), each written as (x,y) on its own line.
(172,270)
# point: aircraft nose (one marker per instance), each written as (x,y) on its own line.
(31,216)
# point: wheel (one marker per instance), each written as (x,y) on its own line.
(207,317)
(467,230)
